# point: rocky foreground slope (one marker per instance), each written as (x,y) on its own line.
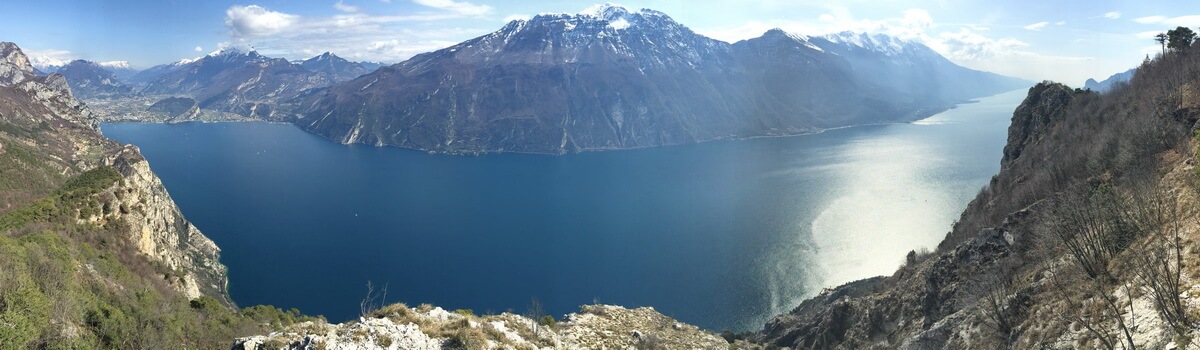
(95,254)
(428,327)
(47,107)
(1087,238)
(93,251)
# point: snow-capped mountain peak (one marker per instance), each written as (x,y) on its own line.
(46,63)
(232,52)
(115,64)
(785,35)
(185,61)
(886,44)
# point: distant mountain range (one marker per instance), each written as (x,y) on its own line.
(117,79)
(236,81)
(1107,84)
(605,78)
(90,80)
(611,78)
(335,68)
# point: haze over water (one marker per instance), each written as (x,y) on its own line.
(718,234)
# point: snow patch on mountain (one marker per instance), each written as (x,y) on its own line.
(115,64)
(885,44)
(46,64)
(619,24)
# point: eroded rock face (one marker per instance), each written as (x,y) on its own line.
(1046,104)
(159,230)
(426,327)
(69,135)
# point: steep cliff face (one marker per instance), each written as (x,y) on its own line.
(1085,239)
(159,230)
(43,117)
(1046,105)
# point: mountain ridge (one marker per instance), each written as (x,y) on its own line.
(623,79)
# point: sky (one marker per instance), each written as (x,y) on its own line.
(1065,41)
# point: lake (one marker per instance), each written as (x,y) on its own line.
(719,234)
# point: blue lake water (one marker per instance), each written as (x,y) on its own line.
(718,234)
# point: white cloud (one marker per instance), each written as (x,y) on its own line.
(341,6)
(254,20)
(1112,15)
(910,25)
(967,45)
(1059,23)
(47,58)
(353,35)
(1184,21)
(460,7)
(962,43)
(1037,26)
(1148,35)
(1150,19)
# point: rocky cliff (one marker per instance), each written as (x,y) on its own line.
(1085,239)
(159,230)
(156,225)
(93,251)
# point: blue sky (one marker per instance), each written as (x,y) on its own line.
(1036,40)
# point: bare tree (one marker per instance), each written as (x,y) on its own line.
(374,300)
(1159,263)
(535,313)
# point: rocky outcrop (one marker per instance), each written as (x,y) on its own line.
(57,125)
(1055,252)
(158,229)
(427,327)
(913,309)
(1046,104)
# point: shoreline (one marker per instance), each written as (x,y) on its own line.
(579,151)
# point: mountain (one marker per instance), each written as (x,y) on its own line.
(232,80)
(176,109)
(152,73)
(912,68)
(612,78)
(95,252)
(91,80)
(1107,84)
(121,69)
(371,66)
(46,64)
(334,68)
(1083,239)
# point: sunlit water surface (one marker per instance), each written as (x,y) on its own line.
(718,234)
